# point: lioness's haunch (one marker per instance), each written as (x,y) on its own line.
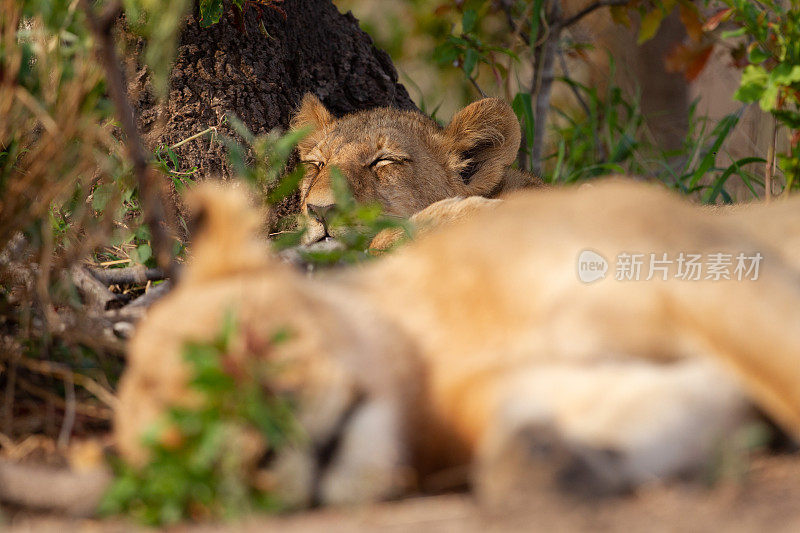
(479,345)
(404,160)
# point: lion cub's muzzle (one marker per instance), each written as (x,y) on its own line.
(318,219)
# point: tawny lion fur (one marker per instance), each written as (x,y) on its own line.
(478,345)
(404,160)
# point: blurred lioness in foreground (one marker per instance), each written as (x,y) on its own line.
(505,342)
(404,160)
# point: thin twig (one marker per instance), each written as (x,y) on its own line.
(193,137)
(516,29)
(474,83)
(770,165)
(36,109)
(575,92)
(9,395)
(154,208)
(589,9)
(63,373)
(84,409)
(112,263)
(69,414)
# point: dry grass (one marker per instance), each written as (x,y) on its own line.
(56,147)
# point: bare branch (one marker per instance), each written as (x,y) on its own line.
(109,16)
(589,9)
(65,374)
(542,84)
(573,89)
(125,317)
(127,275)
(95,292)
(506,6)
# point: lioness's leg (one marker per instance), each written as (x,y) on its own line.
(370,463)
(362,458)
(607,426)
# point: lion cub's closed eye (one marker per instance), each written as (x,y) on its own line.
(388,158)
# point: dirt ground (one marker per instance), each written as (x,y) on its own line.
(766,499)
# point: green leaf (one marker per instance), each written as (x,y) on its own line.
(173,159)
(286,186)
(721,131)
(785,74)
(210,12)
(623,149)
(757,55)
(101,196)
(769,98)
(341,190)
(445,53)
(468,20)
(733,33)
(143,253)
(650,24)
(781,76)
(711,194)
(240,128)
(524,110)
(470,60)
(536,16)
(789,118)
(752,85)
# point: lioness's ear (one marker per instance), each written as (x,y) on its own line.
(225,233)
(486,133)
(311,113)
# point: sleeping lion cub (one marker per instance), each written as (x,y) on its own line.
(522,348)
(404,160)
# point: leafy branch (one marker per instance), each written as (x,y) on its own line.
(155,211)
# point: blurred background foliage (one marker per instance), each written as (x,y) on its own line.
(639,87)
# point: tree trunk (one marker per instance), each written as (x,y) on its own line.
(232,67)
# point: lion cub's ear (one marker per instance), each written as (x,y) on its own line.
(312,113)
(486,134)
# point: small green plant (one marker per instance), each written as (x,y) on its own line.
(771,77)
(605,138)
(354,226)
(198,465)
(694,167)
(211,10)
(261,161)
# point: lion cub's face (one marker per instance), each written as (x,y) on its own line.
(402,159)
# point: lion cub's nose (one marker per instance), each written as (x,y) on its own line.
(320,212)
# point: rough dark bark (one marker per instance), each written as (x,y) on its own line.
(231,69)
